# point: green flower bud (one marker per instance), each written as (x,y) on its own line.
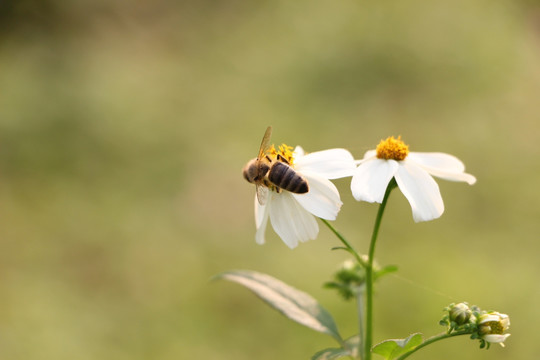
(348,280)
(460,313)
(350,272)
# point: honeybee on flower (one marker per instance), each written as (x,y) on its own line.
(293,187)
(272,170)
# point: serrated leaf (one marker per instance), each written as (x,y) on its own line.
(293,303)
(392,348)
(351,350)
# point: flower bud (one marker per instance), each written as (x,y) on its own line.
(348,280)
(460,313)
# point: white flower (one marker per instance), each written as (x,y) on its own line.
(492,327)
(413,173)
(292,215)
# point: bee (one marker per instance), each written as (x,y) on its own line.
(276,173)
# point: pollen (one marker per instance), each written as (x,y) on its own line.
(392,149)
(284,151)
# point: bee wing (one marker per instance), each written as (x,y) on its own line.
(262,194)
(264,143)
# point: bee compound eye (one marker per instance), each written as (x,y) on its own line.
(245,174)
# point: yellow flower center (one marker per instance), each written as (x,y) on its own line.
(495,327)
(284,151)
(392,148)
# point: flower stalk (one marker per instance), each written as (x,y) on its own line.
(359,294)
(348,246)
(360,307)
(368,341)
(433,339)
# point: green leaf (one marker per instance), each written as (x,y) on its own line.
(351,350)
(330,354)
(294,304)
(340,248)
(386,270)
(390,349)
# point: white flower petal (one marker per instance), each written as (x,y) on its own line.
(444,166)
(298,152)
(331,164)
(437,160)
(484,318)
(370,154)
(371,179)
(261,218)
(291,221)
(421,191)
(322,200)
(495,338)
(505,321)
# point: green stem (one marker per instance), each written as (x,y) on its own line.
(346,243)
(433,339)
(368,341)
(360,295)
(361,309)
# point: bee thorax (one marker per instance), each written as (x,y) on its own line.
(255,171)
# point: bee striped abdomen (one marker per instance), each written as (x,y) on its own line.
(283,176)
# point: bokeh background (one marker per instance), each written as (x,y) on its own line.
(124,127)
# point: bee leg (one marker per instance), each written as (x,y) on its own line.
(282,159)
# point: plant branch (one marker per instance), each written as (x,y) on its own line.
(433,339)
(346,243)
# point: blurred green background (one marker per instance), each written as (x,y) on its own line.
(124,127)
